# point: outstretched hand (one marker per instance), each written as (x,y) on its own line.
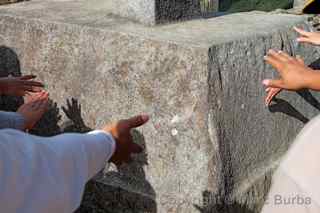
(308,37)
(124,142)
(294,74)
(19,86)
(36,104)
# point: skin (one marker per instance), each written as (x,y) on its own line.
(308,37)
(294,73)
(19,86)
(124,143)
(36,104)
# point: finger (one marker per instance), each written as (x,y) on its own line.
(32,96)
(33,89)
(42,101)
(274,62)
(44,95)
(300,59)
(302,32)
(304,40)
(285,56)
(135,148)
(277,83)
(271,95)
(33,83)
(28,77)
(137,121)
(278,55)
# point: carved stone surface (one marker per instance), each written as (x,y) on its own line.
(211,139)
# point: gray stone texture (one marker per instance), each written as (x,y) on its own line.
(299,3)
(153,12)
(211,140)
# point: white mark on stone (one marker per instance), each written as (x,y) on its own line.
(175,119)
(242,106)
(174,132)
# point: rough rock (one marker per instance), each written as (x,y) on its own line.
(211,140)
(152,12)
(299,3)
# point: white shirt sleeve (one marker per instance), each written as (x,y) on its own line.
(48,175)
(12,120)
(295,185)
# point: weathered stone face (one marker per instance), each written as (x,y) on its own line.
(299,3)
(210,137)
(153,12)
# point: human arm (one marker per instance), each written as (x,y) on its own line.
(49,174)
(11,120)
(19,86)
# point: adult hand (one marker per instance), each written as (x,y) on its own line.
(308,37)
(294,75)
(124,143)
(19,86)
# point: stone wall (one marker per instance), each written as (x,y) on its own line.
(211,141)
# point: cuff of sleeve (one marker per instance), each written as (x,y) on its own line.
(107,137)
(20,121)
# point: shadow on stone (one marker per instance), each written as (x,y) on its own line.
(125,189)
(99,197)
(212,204)
(9,66)
(309,98)
(73,113)
(48,125)
(285,107)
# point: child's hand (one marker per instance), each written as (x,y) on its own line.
(273,91)
(308,37)
(19,86)
(294,74)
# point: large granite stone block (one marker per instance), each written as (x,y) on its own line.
(211,140)
(153,12)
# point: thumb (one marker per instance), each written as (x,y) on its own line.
(277,83)
(136,121)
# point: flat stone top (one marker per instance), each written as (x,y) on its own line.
(201,32)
